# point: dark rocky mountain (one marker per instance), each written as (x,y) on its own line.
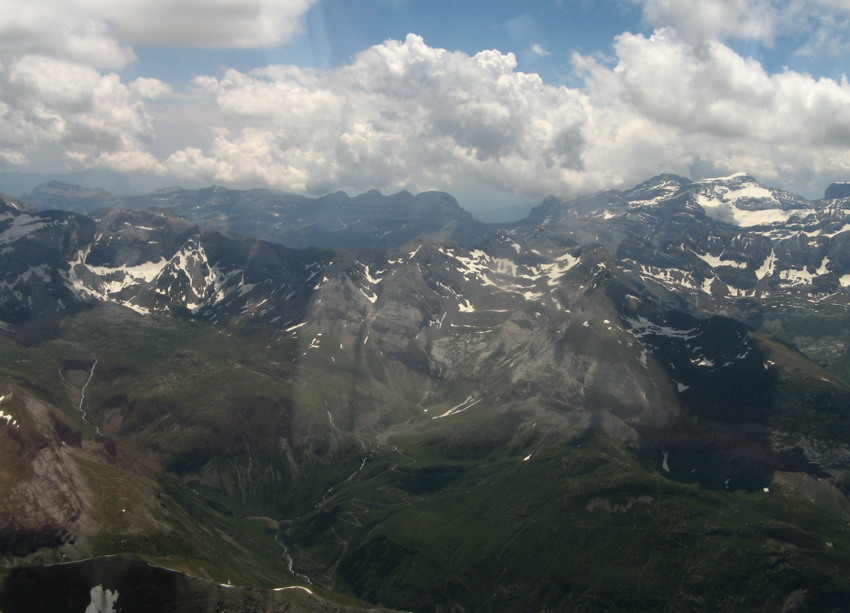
(58,195)
(16,183)
(35,247)
(601,407)
(726,246)
(369,220)
(837,191)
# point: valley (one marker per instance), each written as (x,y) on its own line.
(637,400)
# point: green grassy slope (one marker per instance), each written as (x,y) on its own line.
(255,457)
(580,525)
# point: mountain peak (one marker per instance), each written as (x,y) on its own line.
(742,200)
(737,178)
(12,204)
(662,179)
(652,191)
(839,189)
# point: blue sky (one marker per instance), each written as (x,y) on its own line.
(334,31)
(497,102)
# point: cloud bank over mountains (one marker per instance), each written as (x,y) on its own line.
(679,97)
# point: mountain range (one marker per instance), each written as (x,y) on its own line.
(370,220)
(634,400)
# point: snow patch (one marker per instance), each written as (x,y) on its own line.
(795,276)
(294,587)
(641,327)
(370,297)
(466,307)
(767,267)
(460,408)
(21,225)
(556,269)
(844,228)
(204,284)
(10,421)
(367,273)
(715,261)
(509,276)
(102,601)
(674,277)
(722,200)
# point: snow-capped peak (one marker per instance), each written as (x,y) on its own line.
(741,200)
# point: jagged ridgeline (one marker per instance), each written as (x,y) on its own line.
(636,400)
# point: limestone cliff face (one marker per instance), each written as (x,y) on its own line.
(837,190)
(39,488)
(285,397)
(61,493)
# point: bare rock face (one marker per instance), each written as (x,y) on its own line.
(837,190)
(58,491)
(266,382)
(41,506)
(369,220)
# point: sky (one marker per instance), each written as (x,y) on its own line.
(496,102)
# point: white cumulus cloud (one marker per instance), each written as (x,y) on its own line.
(713,90)
(817,26)
(60,90)
(401,114)
(205,23)
(53,28)
(701,20)
(719,110)
(539,50)
(91,116)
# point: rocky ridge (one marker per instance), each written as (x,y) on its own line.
(642,316)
